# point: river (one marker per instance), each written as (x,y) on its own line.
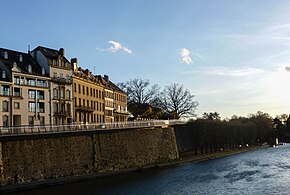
(263,171)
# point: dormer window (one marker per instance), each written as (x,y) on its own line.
(3,74)
(42,71)
(20,58)
(54,63)
(29,69)
(14,64)
(6,55)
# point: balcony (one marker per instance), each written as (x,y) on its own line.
(62,113)
(84,108)
(62,81)
(5,93)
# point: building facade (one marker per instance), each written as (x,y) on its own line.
(88,96)
(42,87)
(24,89)
(60,72)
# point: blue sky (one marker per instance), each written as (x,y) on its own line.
(232,55)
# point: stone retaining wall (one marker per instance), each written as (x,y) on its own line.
(37,159)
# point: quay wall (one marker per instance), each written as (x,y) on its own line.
(27,159)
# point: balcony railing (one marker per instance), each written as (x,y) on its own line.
(61,80)
(85,108)
(62,113)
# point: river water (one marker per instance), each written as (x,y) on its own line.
(263,171)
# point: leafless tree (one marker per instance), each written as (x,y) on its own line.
(178,101)
(139,90)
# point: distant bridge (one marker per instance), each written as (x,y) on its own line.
(46,129)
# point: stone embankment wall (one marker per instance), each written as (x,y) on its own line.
(31,159)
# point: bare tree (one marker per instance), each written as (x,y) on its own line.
(139,90)
(142,97)
(178,101)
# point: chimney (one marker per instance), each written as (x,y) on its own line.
(61,51)
(74,64)
(28,49)
(106,77)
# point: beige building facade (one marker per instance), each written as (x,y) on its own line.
(88,96)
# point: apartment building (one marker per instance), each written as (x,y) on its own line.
(88,96)
(59,69)
(120,103)
(108,98)
(24,90)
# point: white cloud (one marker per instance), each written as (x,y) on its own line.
(185,56)
(116,46)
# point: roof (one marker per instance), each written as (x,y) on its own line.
(27,59)
(49,53)
(116,88)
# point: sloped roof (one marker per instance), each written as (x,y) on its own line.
(49,53)
(27,59)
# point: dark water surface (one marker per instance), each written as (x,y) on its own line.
(263,171)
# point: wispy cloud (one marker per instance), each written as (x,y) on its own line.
(224,71)
(270,33)
(116,46)
(186,55)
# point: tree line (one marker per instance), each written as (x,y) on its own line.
(211,134)
(150,102)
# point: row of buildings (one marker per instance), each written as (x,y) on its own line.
(43,87)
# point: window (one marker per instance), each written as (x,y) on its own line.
(5,90)
(61,75)
(54,63)
(31,94)
(40,107)
(6,55)
(42,71)
(17,92)
(31,107)
(3,74)
(59,63)
(42,120)
(55,93)
(54,75)
(30,120)
(20,58)
(62,93)
(16,105)
(87,90)
(83,89)
(16,81)
(75,87)
(40,95)
(31,82)
(79,88)
(41,83)
(75,100)
(5,106)
(67,94)
(29,68)
(5,121)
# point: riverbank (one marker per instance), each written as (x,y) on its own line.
(189,158)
